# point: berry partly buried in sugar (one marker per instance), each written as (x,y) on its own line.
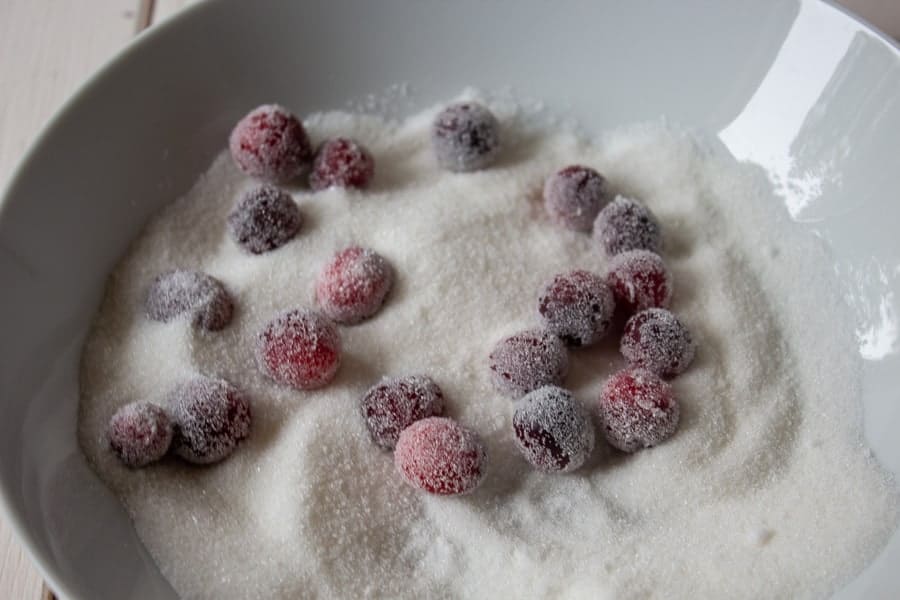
(341,162)
(637,410)
(200,296)
(465,137)
(573,196)
(393,404)
(577,306)
(553,430)
(527,360)
(270,143)
(639,279)
(352,287)
(140,433)
(658,341)
(299,348)
(440,456)
(625,225)
(265,218)
(211,416)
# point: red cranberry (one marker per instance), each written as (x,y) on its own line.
(577,306)
(553,430)
(264,219)
(300,348)
(211,416)
(637,409)
(440,456)
(573,196)
(270,143)
(639,279)
(202,297)
(625,225)
(352,287)
(525,361)
(465,137)
(341,162)
(140,433)
(658,341)
(394,404)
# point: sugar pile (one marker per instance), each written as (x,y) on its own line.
(766,490)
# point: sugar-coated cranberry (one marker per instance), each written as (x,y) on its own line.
(465,137)
(352,287)
(341,162)
(440,456)
(393,404)
(270,143)
(553,430)
(265,218)
(573,196)
(658,341)
(577,306)
(140,433)
(527,360)
(200,296)
(625,225)
(637,410)
(639,279)
(211,416)
(300,348)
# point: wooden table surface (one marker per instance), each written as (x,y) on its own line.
(47,48)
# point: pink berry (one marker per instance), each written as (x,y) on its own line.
(553,430)
(270,143)
(352,287)
(300,348)
(341,162)
(211,416)
(625,225)
(637,410)
(140,433)
(394,404)
(656,340)
(639,279)
(573,196)
(465,137)
(440,456)
(525,361)
(577,306)
(201,297)
(264,219)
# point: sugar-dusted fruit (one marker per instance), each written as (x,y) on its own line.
(395,403)
(625,224)
(341,162)
(640,280)
(465,137)
(265,218)
(440,456)
(658,341)
(527,360)
(211,416)
(553,430)
(577,306)
(300,348)
(637,410)
(194,294)
(573,196)
(140,433)
(270,143)
(352,287)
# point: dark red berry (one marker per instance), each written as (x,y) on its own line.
(394,404)
(553,430)
(637,410)
(352,287)
(265,218)
(577,306)
(199,296)
(440,456)
(525,361)
(300,348)
(573,196)
(658,341)
(270,144)
(625,225)
(341,162)
(639,279)
(211,416)
(465,137)
(140,433)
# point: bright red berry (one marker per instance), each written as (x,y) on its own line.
(573,196)
(553,430)
(527,360)
(264,219)
(465,137)
(341,162)
(270,143)
(639,279)
(393,404)
(637,410)
(440,456)
(300,348)
(352,287)
(200,296)
(211,416)
(577,306)
(625,225)
(140,433)
(658,341)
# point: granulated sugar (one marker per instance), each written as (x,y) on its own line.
(766,490)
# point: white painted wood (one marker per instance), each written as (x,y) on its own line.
(163,9)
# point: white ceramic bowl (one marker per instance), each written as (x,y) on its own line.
(795,85)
